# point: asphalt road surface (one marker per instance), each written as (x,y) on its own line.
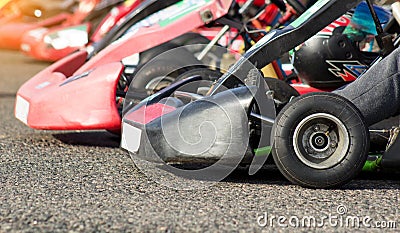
(82,181)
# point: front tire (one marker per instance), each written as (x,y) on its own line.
(320,141)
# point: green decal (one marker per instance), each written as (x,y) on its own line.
(307,14)
(82,27)
(264,151)
(373,163)
(187,7)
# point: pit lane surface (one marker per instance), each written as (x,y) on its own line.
(82,181)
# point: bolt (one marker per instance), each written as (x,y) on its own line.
(310,150)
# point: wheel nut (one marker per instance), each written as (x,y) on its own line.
(333,144)
(310,150)
(316,128)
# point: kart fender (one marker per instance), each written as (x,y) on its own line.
(55,101)
(161,132)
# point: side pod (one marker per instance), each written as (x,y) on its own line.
(212,128)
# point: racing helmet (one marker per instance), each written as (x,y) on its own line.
(339,53)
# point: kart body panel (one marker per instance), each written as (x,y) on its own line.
(81,102)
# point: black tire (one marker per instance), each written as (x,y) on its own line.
(303,125)
(166,66)
(197,43)
(207,75)
(185,39)
(190,38)
(204,72)
(163,72)
(149,54)
(161,62)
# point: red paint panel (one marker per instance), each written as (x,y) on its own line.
(146,114)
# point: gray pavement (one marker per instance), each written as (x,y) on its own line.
(82,182)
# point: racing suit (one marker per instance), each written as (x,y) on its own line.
(376,93)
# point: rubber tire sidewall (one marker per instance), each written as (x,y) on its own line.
(283,151)
(179,60)
(157,69)
(204,72)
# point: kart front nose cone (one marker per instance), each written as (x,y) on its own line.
(85,101)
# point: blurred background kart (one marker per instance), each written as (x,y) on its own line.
(53,43)
(39,15)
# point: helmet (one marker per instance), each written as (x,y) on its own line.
(330,62)
(333,57)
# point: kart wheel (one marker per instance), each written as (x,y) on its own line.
(158,75)
(185,39)
(147,55)
(197,43)
(190,38)
(208,77)
(153,75)
(205,73)
(320,141)
(161,72)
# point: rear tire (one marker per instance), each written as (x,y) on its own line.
(320,141)
(208,77)
(196,44)
(160,72)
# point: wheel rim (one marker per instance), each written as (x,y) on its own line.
(158,83)
(321,141)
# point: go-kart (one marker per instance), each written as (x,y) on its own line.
(18,16)
(54,43)
(79,91)
(12,30)
(33,10)
(317,140)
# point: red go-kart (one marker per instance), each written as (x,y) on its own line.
(54,43)
(12,29)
